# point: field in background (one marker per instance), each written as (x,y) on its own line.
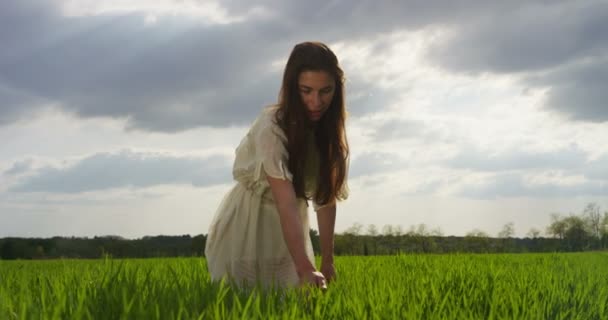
(499,286)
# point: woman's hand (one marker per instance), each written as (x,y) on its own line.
(329,271)
(313,278)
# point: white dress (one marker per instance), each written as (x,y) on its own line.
(245,241)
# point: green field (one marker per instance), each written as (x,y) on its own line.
(502,286)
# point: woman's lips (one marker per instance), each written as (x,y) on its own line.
(316,114)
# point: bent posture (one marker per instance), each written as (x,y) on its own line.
(295,152)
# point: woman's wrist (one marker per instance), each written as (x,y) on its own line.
(304,268)
(328,259)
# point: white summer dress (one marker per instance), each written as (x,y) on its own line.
(245,241)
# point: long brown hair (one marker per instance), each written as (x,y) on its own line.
(330,136)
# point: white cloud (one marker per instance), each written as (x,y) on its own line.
(127,169)
(516,185)
(168,210)
(205,12)
(457,118)
(570,159)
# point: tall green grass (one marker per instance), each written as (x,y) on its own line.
(530,286)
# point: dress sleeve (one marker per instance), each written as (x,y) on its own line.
(271,154)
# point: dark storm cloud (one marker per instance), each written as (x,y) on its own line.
(530,37)
(172,75)
(127,169)
(578,91)
(165,77)
(180,73)
(345,19)
(567,40)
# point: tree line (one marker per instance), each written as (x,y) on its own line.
(586,231)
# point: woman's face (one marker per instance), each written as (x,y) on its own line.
(316,90)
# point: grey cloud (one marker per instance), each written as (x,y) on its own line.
(571,161)
(339,18)
(178,73)
(568,41)
(127,169)
(370,163)
(18,168)
(169,76)
(427,187)
(364,98)
(529,37)
(571,158)
(165,77)
(395,129)
(597,169)
(512,185)
(15,104)
(577,91)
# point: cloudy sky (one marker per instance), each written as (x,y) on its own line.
(121,117)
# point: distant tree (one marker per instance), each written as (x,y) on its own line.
(477,241)
(533,233)
(355,229)
(508,230)
(476,233)
(558,226)
(419,230)
(593,220)
(604,230)
(387,230)
(577,231)
(372,230)
(348,242)
(505,235)
(576,234)
(198,245)
(9,250)
(39,252)
(392,230)
(397,230)
(436,232)
(423,238)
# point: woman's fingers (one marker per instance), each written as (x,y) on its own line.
(321,282)
(323,285)
(317,279)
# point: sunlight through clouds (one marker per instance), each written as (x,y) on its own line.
(460,116)
(209,12)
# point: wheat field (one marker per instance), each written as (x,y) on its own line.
(456,286)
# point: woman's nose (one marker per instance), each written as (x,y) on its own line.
(315,100)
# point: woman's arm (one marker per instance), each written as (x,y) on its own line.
(285,199)
(326,217)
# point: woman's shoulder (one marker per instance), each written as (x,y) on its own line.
(267,121)
(269,113)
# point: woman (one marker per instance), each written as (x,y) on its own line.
(295,151)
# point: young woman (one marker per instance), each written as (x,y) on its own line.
(295,151)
